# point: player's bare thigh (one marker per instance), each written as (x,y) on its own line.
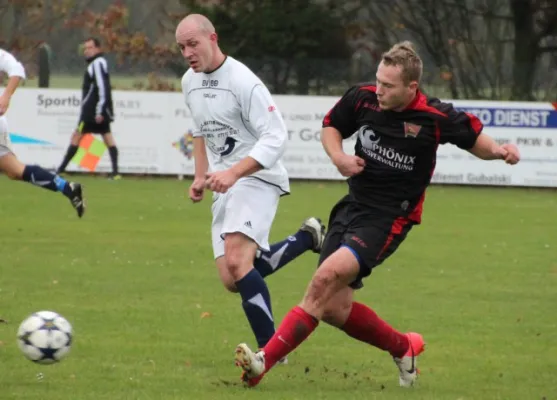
(335,274)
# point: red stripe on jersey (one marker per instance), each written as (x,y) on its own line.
(475,123)
(416,214)
(396,229)
(327,119)
(369,88)
(554,104)
(420,104)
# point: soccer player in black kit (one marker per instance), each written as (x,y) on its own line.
(399,130)
(96,106)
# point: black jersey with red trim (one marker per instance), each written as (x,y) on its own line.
(399,147)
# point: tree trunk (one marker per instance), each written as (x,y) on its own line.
(525,50)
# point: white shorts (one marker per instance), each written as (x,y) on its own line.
(4,137)
(248,207)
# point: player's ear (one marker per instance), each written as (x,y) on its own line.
(413,85)
(213,37)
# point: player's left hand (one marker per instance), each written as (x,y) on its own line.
(99,119)
(510,153)
(220,181)
(4,104)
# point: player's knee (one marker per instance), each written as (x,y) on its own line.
(321,284)
(12,168)
(13,174)
(229,284)
(235,262)
(238,255)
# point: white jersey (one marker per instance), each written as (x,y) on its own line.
(10,65)
(236,115)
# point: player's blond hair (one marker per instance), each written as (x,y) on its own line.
(405,55)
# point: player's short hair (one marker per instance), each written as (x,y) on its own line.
(96,41)
(405,55)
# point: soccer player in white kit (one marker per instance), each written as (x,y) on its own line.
(239,139)
(9,164)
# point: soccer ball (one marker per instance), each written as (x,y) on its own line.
(45,337)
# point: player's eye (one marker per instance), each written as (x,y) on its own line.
(181,46)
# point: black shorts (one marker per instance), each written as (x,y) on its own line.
(92,127)
(371,234)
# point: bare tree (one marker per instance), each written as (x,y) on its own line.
(535,22)
(484,49)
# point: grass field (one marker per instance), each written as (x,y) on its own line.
(135,276)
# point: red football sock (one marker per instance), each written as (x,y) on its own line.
(365,325)
(296,326)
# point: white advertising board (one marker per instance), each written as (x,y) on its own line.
(152,132)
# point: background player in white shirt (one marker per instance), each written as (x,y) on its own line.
(239,139)
(9,164)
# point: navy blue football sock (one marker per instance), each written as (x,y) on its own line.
(256,302)
(40,177)
(281,253)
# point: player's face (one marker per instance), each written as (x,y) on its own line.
(89,49)
(198,48)
(392,92)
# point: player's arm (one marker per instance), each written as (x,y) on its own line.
(200,157)
(340,124)
(465,131)
(103,87)
(487,149)
(262,116)
(201,167)
(16,73)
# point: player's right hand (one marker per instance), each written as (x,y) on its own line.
(349,165)
(197,189)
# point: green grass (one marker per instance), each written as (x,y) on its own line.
(135,275)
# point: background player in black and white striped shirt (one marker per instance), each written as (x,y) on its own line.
(96,105)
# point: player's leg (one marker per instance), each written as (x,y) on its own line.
(218,211)
(40,177)
(72,148)
(239,252)
(336,272)
(310,236)
(339,268)
(233,223)
(249,213)
(360,321)
(108,139)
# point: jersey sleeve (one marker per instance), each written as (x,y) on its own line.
(100,72)
(262,116)
(342,116)
(459,128)
(10,65)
